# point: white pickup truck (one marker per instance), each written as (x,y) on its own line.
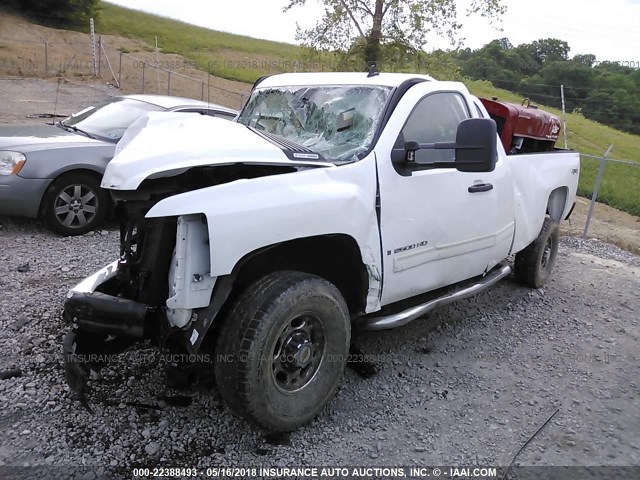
(335,202)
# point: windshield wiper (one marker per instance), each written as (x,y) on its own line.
(75,129)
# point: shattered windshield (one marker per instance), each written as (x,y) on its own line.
(337,122)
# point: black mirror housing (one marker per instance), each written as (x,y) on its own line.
(476,145)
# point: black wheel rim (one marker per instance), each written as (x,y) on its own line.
(298,352)
(75,206)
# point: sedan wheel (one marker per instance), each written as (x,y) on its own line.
(75,204)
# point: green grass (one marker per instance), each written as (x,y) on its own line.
(621,183)
(245,59)
(226,55)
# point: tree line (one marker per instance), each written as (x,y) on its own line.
(608,92)
(392,33)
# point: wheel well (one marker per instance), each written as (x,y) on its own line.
(557,203)
(335,258)
(81,171)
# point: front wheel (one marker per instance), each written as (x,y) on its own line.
(75,204)
(282,350)
(533,265)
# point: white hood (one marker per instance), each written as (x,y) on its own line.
(165,144)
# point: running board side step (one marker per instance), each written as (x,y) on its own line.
(402,318)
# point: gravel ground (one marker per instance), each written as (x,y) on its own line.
(468,384)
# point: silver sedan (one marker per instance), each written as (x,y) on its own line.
(54,171)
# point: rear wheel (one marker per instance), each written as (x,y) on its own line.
(282,350)
(75,204)
(533,265)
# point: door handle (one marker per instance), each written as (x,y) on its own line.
(480,187)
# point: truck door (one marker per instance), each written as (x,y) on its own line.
(438,225)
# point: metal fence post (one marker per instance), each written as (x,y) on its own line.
(46,58)
(169,82)
(120,71)
(99,55)
(93,46)
(202,91)
(596,188)
(144,64)
(564,119)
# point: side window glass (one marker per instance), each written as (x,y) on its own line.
(435,119)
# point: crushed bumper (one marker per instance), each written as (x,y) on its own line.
(102,324)
(92,282)
(103,314)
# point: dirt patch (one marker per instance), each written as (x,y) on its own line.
(608,224)
(23,100)
(35,51)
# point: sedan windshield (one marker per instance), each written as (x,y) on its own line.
(109,119)
(337,122)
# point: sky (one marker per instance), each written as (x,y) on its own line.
(610,30)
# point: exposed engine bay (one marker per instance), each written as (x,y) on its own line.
(133,297)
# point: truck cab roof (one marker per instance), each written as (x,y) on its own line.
(339,78)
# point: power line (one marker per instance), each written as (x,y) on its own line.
(566,87)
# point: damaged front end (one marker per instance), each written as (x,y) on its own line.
(160,290)
(122,303)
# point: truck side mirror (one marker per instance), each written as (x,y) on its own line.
(476,145)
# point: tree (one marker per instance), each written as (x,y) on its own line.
(505,43)
(57,12)
(587,60)
(607,92)
(547,50)
(373,23)
(499,62)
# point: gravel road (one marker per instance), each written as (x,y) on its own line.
(466,385)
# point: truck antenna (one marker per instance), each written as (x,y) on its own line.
(373,71)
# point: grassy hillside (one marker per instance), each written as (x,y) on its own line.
(236,57)
(621,183)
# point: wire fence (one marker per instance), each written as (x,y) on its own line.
(615,182)
(166,76)
(143,72)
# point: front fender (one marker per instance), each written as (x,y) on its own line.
(53,163)
(246,215)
